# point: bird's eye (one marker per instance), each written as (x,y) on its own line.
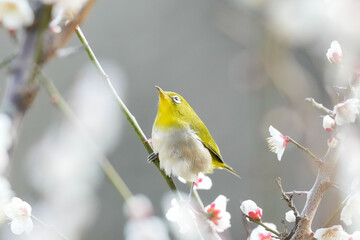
(177,99)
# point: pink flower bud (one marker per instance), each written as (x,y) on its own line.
(334,53)
(250,209)
(328,123)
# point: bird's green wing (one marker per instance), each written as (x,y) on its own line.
(205,137)
(203,133)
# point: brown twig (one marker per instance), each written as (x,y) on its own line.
(299,193)
(320,106)
(287,198)
(306,150)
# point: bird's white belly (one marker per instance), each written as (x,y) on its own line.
(181,153)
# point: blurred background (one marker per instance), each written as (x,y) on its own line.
(243,65)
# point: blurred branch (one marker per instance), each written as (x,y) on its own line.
(60,235)
(56,41)
(198,199)
(124,109)
(5,61)
(320,106)
(334,215)
(106,165)
(35,45)
(20,89)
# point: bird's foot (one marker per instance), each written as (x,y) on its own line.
(152,157)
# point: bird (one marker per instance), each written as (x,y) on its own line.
(182,142)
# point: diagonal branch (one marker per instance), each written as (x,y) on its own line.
(306,150)
(320,106)
(105,164)
(124,109)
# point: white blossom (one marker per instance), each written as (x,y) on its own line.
(19,212)
(249,208)
(328,123)
(218,216)
(260,233)
(138,207)
(290,216)
(5,195)
(181,214)
(203,182)
(333,233)
(351,209)
(346,112)
(15,14)
(355,236)
(277,142)
(334,53)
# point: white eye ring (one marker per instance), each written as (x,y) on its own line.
(177,99)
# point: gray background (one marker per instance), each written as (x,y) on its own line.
(238,75)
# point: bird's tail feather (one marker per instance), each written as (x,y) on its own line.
(231,170)
(221,165)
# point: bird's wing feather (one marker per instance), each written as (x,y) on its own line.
(203,133)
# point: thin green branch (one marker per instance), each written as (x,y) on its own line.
(334,215)
(198,199)
(123,107)
(264,226)
(106,165)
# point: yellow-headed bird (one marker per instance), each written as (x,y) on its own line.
(181,140)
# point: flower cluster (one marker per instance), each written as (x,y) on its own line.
(19,212)
(343,113)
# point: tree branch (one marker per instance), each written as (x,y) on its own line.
(306,150)
(124,109)
(263,225)
(314,197)
(320,106)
